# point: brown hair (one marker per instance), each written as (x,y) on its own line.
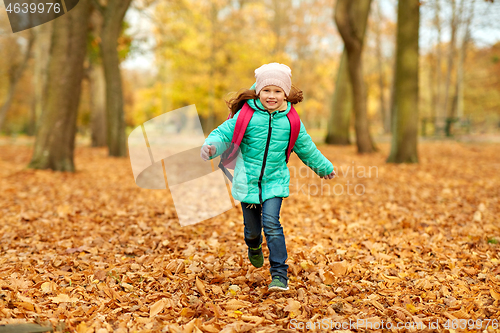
(236,103)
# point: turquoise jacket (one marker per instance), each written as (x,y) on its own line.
(261,171)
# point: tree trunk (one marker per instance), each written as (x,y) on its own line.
(97,88)
(55,137)
(14,76)
(405,114)
(351,18)
(340,115)
(113,14)
(97,92)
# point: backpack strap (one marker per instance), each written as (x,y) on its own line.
(246,114)
(240,127)
(294,119)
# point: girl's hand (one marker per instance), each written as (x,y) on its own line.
(330,176)
(207,151)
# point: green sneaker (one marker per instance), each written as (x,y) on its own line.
(256,256)
(278,284)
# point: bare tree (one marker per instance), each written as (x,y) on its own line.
(55,137)
(405,113)
(351,18)
(113,13)
(41,51)
(97,88)
(341,110)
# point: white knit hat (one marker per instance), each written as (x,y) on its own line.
(274,74)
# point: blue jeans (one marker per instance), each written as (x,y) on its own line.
(267,215)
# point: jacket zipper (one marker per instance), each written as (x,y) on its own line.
(265,158)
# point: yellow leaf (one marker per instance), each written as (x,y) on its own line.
(187,312)
(411,308)
(81,328)
(304,265)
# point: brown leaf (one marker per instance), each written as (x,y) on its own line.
(100,275)
(328,278)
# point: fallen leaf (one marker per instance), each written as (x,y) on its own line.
(339,268)
(200,286)
(63,298)
(156,308)
(494,294)
(293,307)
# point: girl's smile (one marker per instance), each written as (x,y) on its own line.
(272,97)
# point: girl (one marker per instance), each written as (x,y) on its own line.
(265,178)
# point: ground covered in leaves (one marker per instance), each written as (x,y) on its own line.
(407,244)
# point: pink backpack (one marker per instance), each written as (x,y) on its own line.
(228,158)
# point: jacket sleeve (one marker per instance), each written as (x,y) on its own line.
(221,136)
(307,151)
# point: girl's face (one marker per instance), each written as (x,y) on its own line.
(272,97)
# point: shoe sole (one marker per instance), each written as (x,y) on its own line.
(275,288)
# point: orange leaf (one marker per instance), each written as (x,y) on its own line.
(156,308)
(200,286)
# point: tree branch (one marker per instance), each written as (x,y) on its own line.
(344,24)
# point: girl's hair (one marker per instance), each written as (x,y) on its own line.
(236,103)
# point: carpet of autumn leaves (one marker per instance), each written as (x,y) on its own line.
(92,252)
